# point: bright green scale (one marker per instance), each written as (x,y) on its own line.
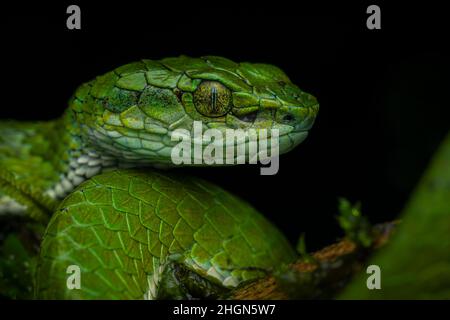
(139,232)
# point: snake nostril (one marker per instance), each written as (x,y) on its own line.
(288,118)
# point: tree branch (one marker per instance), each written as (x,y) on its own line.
(318,276)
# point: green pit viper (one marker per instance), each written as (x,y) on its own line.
(93,178)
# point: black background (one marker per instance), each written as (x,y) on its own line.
(383,93)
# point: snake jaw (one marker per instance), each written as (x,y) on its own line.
(293,139)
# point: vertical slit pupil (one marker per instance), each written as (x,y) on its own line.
(214,99)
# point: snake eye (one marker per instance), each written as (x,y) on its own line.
(212,99)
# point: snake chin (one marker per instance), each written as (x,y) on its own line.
(291,140)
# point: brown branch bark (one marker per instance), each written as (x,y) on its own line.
(322,277)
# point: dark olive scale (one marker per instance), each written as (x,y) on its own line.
(119,100)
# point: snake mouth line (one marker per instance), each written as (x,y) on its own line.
(286,141)
(158,148)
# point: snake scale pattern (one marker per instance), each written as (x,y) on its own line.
(97,178)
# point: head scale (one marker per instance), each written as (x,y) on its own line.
(132,111)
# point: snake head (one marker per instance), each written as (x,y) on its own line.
(133,111)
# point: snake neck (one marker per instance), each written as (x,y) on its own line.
(73,159)
(78,157)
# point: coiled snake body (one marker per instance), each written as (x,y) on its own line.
(134,231)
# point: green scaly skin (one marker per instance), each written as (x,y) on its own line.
(142,233)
